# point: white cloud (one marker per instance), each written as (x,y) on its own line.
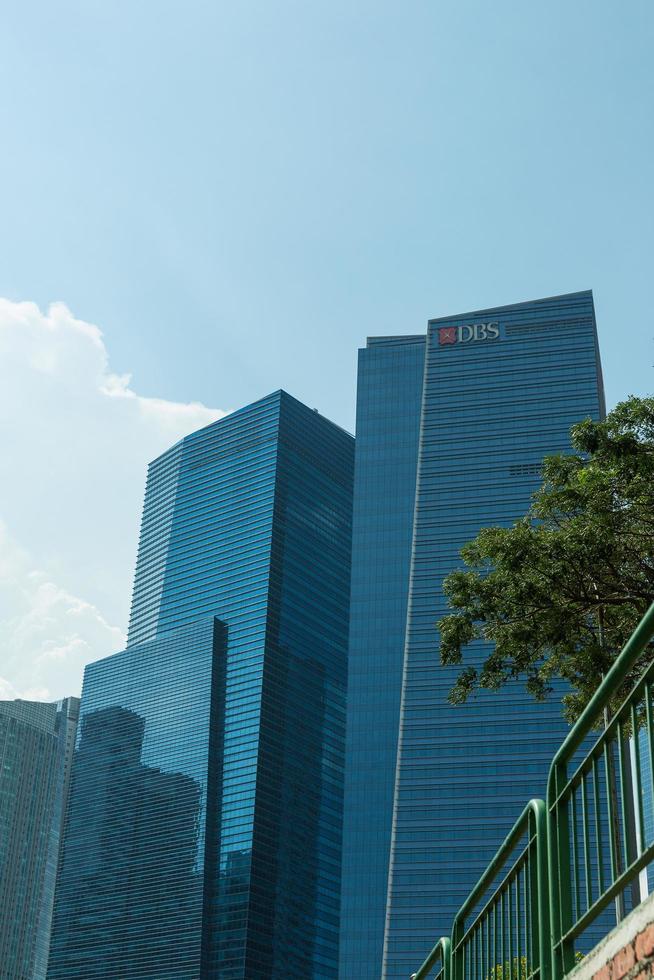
(76,442)
(47,635)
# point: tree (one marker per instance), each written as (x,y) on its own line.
(561,591)
(516,969)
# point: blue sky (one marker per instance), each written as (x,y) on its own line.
(238,193)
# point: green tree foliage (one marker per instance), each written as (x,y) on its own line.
(518,969)
(561,591)
(510,970)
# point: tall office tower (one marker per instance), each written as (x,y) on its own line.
(205,820)
(35,747)
(388,422)
(452,428)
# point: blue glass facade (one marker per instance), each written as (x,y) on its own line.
(495,399)
(388,413)
(130,897)
(230,700)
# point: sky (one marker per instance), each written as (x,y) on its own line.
(202,202)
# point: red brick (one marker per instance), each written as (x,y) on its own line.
(604,973)
(645,942)
(623,961)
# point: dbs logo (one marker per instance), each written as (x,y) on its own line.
(467,333)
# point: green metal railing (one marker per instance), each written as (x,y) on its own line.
(437,964)
(502,932)
(597,846)
(562,865)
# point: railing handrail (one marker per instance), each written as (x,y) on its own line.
(535,808)
(565,922)
(625,661)
(534,813)
(441,950)
(551,835)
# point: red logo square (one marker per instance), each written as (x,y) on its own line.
(447,335)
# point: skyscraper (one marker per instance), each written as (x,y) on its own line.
(35,751)
(452,428)
(388,422)
(205,822)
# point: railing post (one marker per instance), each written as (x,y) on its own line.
(538,818)
(560,892)
(456,956)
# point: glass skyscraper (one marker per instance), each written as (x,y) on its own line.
(36,741)
(451,431)
(205,819)
(388,422)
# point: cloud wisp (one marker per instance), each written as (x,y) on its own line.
(77,438)
(47,634)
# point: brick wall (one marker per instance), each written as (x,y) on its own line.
(627,953)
